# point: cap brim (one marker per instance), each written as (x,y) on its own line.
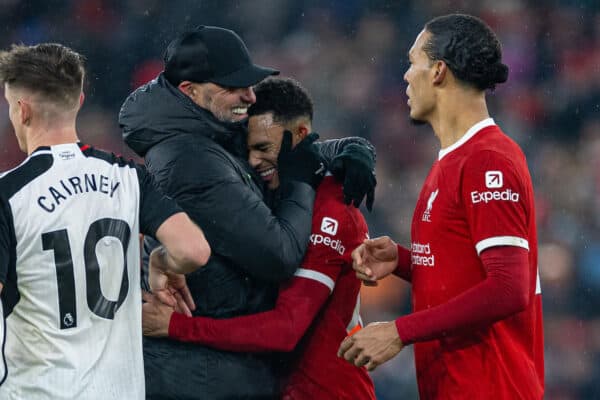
(245,77)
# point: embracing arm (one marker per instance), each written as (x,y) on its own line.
(279,329)
(352,161)
(237,223)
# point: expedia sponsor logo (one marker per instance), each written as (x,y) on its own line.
(485,197)
(335,244)
(421,254)
(493,179)
(329,225)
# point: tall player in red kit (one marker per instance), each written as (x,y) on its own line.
(477,320)
(320,305)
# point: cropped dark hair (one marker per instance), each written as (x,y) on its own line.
(470,49)
(52,70)
(284,97)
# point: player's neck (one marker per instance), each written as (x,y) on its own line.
(50,136)
(457,113)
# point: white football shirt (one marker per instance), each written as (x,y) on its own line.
(70,218)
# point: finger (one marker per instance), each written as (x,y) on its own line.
(361,360)
(147,296)
(182,306)
(356,255)
(187,297)
(377,243)
(344,346)
(352,353)
(286,142)
(371,365)
(311,138)
(166,298)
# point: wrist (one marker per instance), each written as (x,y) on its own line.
(176,322)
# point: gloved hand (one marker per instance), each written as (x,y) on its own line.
(302,163)
(355,167)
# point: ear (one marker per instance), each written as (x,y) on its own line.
(440,69)
(302,130)
(25,112)
(81,99)
(186,87)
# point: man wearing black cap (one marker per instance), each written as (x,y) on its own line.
(190,125)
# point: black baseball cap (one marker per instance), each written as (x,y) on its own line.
(212,54)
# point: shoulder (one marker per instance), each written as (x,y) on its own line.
(332,216)
(110,158)
(493,142)
(14,180)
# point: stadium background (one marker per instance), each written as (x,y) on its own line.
(351,55)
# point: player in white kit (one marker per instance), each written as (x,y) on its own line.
(70,216)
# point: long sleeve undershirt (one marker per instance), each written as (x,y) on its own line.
(279,329)
(504,292)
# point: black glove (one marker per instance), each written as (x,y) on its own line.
(302,163)
(355,166)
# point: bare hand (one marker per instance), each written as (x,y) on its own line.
(170,288)
(155,316)
(372,345)
(375,259)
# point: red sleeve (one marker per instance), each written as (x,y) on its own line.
(336,230)
(277,330)
(404,268)
(496,188)
(504,292)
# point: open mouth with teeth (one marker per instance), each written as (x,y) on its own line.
(267,174)
(240,110)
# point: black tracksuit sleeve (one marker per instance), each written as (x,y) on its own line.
(268,245)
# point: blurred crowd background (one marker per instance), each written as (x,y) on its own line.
(351,56)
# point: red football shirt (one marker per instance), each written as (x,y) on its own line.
(477,195)
(324,294)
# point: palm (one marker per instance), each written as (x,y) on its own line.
(376,258)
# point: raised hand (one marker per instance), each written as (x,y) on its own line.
(375,259)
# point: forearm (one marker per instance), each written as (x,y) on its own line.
(266,244)
(404,268)
(279,329)
(503,293)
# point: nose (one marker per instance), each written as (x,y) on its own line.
(247,95)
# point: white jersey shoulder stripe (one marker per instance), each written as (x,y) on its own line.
(502,241)
(316,276)
(39,152)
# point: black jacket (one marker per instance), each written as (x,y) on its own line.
(200,162)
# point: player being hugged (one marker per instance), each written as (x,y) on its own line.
(320,305)
(70,217)
(477,320)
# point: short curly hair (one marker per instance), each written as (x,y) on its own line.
(470,49)
(50,69)
(284,97)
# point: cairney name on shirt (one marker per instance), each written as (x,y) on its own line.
(76,185)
